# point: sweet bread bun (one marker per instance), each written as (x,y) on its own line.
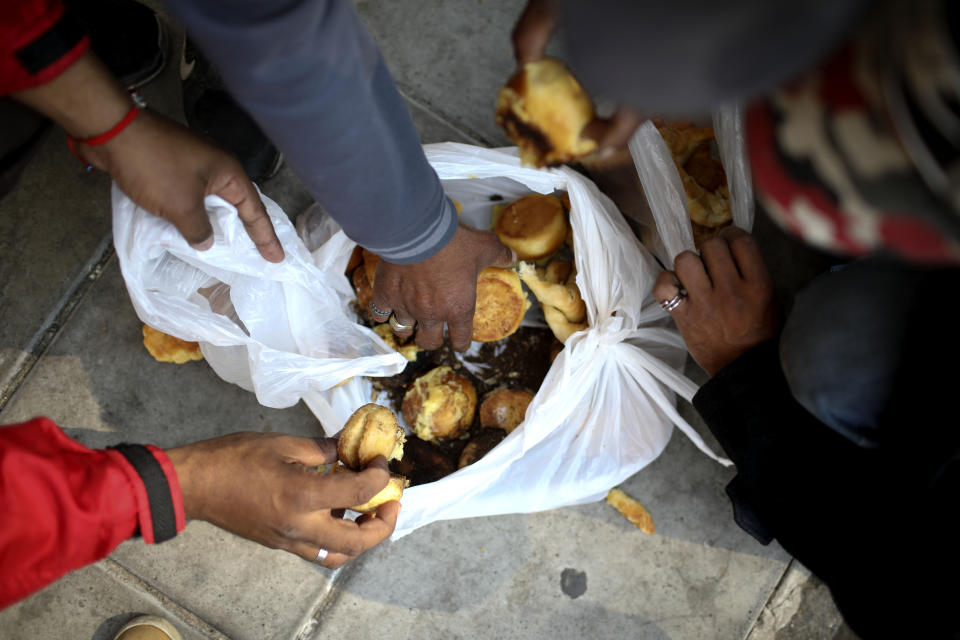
(371,431)
(480,445)
(166,348)
(370,262)
(534,226)
(543,109)
(505,408)
(439,404)
(501,304)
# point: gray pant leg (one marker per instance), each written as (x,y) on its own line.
(840,348)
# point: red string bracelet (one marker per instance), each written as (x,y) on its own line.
(103,138)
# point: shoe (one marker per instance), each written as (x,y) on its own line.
(128,37)
(211,110)
(148,628)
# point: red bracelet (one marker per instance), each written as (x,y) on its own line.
(103,138)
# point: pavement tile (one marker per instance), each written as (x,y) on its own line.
(568,573)
(451,56)
(91,603)
(98,380)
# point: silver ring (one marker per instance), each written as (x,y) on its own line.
(321,555)
(377,310)
(674,302)
(398,326)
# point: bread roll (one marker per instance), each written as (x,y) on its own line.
(534,226)
(166,348)
(371,431)
(501,304)
(505,408)
(440,404)
(543,109)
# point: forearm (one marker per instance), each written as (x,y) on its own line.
(312,77)
(85,99)
(66,506)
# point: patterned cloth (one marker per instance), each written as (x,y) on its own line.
(856,156)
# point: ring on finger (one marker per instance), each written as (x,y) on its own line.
(674,302)
(378,311)
(321,555)
(399,326)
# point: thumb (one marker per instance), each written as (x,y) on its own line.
(497,254)
(195,227)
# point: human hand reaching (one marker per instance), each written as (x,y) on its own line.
(264,487)
(729,305)
(161,165)
(168,170)
(441,289)
(533,30)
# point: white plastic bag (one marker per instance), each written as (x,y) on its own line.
(280,330)
(607,406)
(664,189)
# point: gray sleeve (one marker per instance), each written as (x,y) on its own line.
(309,73)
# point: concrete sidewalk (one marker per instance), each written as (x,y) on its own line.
(70,348)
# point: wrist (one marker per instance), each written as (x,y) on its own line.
(185,464)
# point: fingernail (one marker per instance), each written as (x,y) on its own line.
(203,245)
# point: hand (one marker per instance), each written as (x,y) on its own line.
(160,164)
(729,307)
(167,169)
(442,288)
(263,487)
(533,31)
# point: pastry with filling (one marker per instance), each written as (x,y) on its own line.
(534,226)
(555,288)
(505,408)
(166,348)
(543,110)
(439,404)
(501,304)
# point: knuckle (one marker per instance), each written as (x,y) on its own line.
(352,547)
(686,259)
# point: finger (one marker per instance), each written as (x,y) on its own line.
(405,319)
(430,334)
(309,551)
(496,254)
(310,452)
(379,303)
(237,189)
(354,537)
(195,227)
(615,131)
(533,30)
(692,274)
(746,253)
(721,268)
(346,488)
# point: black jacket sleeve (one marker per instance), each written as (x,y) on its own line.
(868,522)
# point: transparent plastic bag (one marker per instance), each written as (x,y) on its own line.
(279,330)
(607,406)
(664,189)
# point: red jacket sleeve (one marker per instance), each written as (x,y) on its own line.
(38,40)
(64,506)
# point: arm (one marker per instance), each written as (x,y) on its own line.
(45,64)
(312,77)
(66,506)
